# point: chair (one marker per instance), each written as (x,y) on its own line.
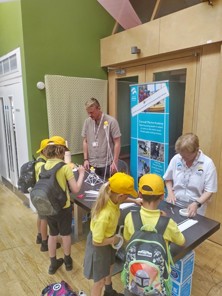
(122,166)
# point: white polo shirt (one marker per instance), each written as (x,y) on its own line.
(190,183)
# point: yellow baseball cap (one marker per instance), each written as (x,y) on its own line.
(43,144)
(57,140)
(123,184)
(151,184)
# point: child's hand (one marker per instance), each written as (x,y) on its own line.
(139,201)
(81,170)
(116,240)
(162,213)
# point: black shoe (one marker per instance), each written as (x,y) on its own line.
(112,293)
(53,268)
(38,239)
(44,246)
(69,264)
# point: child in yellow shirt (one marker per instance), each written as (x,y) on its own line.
(101,240)
(42,226)
(61,222)
(151,190)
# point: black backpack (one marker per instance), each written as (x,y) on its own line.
(146,270)
(47,196)
(27,178)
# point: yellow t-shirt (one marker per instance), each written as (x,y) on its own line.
(150,218)
(38,165)
(105,224)
(63,175)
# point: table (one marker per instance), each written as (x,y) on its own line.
(194,235)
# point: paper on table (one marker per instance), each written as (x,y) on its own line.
(126,205)
(92,192)
(187,224)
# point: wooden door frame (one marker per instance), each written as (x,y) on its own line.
(138,71)
(189,59)
(191,64)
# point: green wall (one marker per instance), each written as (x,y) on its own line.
(60,37)
(10,26)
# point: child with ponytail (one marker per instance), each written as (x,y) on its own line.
(102,240)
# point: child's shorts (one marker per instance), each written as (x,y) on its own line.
(61,223)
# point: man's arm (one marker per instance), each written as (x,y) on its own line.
(85,154)
(116,152)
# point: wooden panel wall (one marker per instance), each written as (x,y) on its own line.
(187,28)
(207,120)
(212,139)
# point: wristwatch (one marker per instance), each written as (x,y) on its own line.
(198,203)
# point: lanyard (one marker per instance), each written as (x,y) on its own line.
(96,132)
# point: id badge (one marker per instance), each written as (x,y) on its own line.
(95,144)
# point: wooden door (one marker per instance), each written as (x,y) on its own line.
(186,69)
(119,101)
(137,71)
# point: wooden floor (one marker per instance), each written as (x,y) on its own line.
(24,269)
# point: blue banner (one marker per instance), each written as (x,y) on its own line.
(149,128)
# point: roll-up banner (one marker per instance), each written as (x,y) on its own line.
(149,151)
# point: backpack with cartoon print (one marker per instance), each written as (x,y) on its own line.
(58,289)
(146,268)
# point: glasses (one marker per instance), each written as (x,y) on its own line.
(187,156)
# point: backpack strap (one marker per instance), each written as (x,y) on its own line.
(52,170)
(162,224)
(40,159)
(137,221)
(161,227)
(46,290)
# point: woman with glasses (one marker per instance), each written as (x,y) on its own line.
(191,177)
